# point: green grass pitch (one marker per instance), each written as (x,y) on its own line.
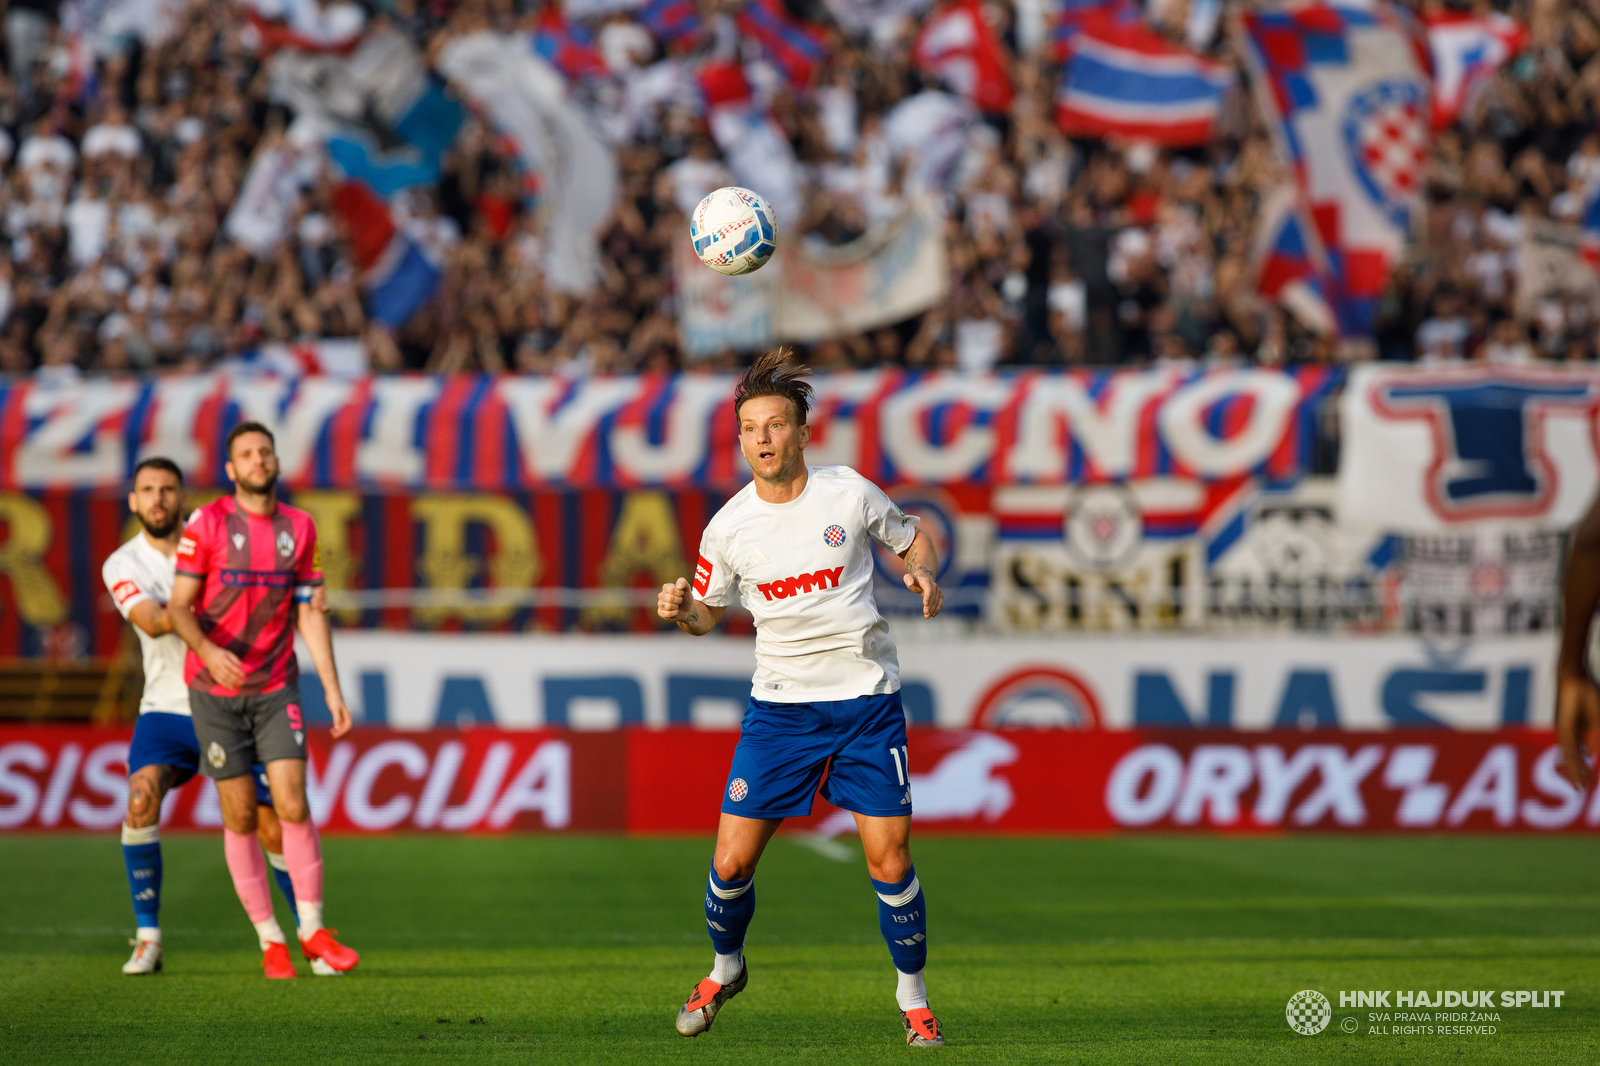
(574,949)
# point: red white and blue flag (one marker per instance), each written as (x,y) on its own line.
(958,46)
(675,23)
(1467,49)
(1290,266)
(565,47)
(794,47)
(1345,90)
(397,276)
(1075,14)
(1127,80)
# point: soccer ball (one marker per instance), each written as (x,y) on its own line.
(733,230)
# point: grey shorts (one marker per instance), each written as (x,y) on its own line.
(236,731)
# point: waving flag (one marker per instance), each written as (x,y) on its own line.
(565,48)
(793,47)
(398,278)
(1346,95)
(1075,14)
(675,23)
(1127,80)
(754,145)
(1290,266)
(305,25)
(957,44)
(1466,50)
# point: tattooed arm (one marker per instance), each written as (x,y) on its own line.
(922,568)
(676,604)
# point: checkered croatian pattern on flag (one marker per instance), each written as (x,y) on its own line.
(1346,90)
(1126,79)
(1467,49)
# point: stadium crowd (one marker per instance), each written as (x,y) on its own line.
(123,154)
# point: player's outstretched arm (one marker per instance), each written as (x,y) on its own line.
(677,604)
(313,625)
(1577,698)
(220,662)
(922,567)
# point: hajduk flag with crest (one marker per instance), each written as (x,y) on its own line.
(1345,91)
(1466,50)
(1124,79)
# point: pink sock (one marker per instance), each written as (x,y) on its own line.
(249,872)
(302,853)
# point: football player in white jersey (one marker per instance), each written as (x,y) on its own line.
(796,544)
(164,753)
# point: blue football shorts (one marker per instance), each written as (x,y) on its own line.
(161,738)
(785,749)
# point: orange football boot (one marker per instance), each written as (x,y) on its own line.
(922,1028)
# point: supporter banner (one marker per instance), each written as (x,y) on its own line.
(1024,781)
(1258,682)
(510,433)
(540,545)
(1438,449)
(53,544)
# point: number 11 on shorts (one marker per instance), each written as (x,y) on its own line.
(901,769)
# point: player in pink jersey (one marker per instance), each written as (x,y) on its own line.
(246,570)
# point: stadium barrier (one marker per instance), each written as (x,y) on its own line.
(424,681)
(1016,781)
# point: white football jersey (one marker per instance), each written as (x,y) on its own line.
(804,569)
(136,572)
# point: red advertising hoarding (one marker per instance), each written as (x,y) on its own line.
(669,781)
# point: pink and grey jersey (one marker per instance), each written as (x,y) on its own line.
(255,568)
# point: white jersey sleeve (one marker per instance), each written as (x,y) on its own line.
(122,578)
(885,522)
(715,583)
(135,573)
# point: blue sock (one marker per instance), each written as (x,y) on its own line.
(141,853)
(729,907)
(280,874)
(903,917)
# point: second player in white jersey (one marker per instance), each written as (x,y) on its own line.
(782,557)
(139,572)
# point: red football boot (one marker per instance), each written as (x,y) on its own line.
(276,962)
(322,946)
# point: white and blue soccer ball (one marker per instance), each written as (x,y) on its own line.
(733,230)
